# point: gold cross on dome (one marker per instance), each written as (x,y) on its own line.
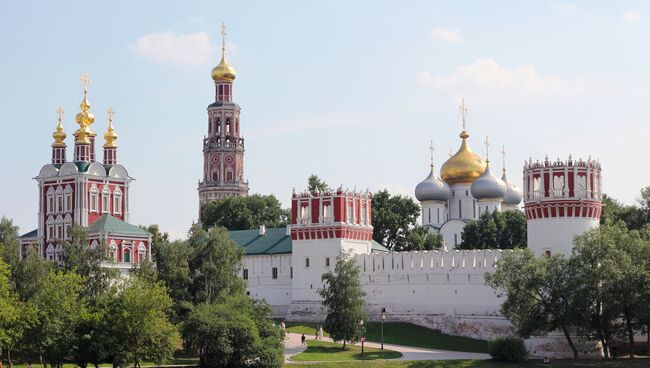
(487,148)
(463,112)
(59,113)
(431,150)
(223,35)
(110,113)
(86,81)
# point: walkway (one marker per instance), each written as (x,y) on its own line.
(292,347)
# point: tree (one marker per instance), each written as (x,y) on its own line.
(343,298)
(234,333)
(9,244)
(59,305)
(173,265)
(420,238)
(496,230)
(141,323)
(314,183)
(87,262)
(95,335)
(245,213)
(541,293)
(214,264)
(393,219)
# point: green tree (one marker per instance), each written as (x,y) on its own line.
(541,293)
(214,264)
(141,323)
(173,265)
(420,238)
(343,298)
(30,275)
(393,219)
(496,230)
(59,305)
(95,335)
(9,244)
(87,262)
(314,183)
(244,213)
(234,333)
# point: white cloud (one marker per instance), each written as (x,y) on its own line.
(565,7)
(631,17)
(447,35)
(169,48)
(485,80)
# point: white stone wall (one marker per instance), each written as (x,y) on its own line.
(262,285)
(556,234)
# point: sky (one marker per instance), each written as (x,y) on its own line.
(352,91)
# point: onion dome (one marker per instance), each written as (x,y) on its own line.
(59,135)
(85,118)
(110,136)
(223,72)
(514,195)
(488,186)
(463,167)
(432,189)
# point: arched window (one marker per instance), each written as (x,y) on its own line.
(50,200)
(117,201)
(50,252)
(94,198)
(142,252)
(67,198)
(67,225)
(126,255)
(106,200)
(59,199)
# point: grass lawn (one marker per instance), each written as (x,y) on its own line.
(405,334)
(620,363)
(328,351)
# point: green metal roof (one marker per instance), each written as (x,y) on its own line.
(109,224)
(82,166)
(31,234)
(274,241)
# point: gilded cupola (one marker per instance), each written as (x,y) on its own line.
(84,118)
(223,72)
(59,135)
(465,166)
(110,136)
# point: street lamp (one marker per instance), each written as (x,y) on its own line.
(383,317)
(363,338)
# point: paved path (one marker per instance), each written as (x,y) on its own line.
(293,347)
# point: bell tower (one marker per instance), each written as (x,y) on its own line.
(223,147)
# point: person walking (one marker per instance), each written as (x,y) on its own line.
(316,332)
(302,340)
(320,332)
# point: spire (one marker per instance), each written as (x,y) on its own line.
(503,157)
(110,136)
(431,151)
(59,135)
(463,118)
(487,149)
(223,72)
(85,118)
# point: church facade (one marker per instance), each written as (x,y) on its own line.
(92,194)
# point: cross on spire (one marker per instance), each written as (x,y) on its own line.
(431,150)
(463,113)
(503,155)
(86,81)
(110,113)
(59,113)
(223,36)
(487,148)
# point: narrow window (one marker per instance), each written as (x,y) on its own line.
(245,274)
(291,272)
(429,215)
(455,239)
(274,272)
(327,261)
(460,208)
(59,203)
(306,262)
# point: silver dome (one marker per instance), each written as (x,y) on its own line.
(514,195)
(488,186)
(432,189)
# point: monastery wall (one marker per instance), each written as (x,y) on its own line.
(262,284)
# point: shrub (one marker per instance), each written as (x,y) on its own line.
(508,349)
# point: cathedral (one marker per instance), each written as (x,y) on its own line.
(89,193)
(465,189)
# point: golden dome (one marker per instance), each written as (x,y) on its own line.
(110,136)
(463,167)
(85,118)
(59,135)
(223,72)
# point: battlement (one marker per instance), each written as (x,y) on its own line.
(562,180)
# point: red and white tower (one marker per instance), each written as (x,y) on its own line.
(223,148)
(561,199)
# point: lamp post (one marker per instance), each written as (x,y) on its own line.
(383,317)
(363,337)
